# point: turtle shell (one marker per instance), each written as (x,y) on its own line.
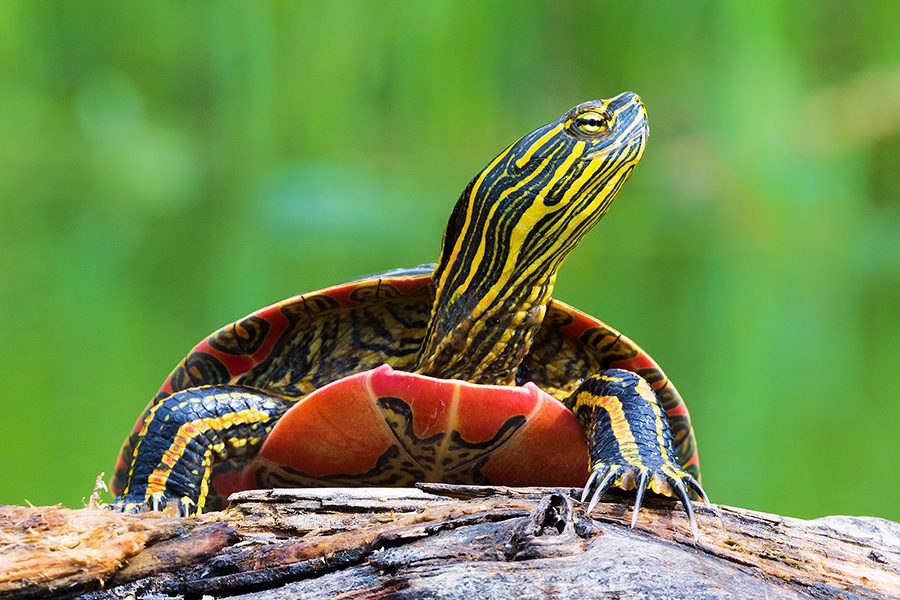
(302,344)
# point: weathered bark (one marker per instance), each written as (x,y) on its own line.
(454,542)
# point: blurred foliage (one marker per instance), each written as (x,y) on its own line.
(166,168)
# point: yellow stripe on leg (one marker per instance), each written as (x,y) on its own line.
(186,434)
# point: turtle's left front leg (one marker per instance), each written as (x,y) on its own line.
(629,440)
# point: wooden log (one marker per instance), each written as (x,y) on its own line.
(446,542)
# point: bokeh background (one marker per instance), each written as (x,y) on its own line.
(166,168)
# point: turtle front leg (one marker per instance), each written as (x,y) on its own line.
(185,435)
(629,440)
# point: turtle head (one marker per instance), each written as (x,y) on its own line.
(543,193)
(513,227)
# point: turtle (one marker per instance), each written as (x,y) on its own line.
(465,371)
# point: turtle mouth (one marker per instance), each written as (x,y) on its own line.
(636,137)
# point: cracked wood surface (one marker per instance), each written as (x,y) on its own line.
(451,542)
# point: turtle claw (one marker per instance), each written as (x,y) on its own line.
(639,497)
(158,502)
(695,486)
(128,508)
(587,486)
(686,500)
(604,484)
(659,481)
(173,506)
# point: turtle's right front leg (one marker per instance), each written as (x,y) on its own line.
(185,435)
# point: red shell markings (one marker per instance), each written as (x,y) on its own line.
(340,429)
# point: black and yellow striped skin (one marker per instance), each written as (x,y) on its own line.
(484,316)
(198,429)
(631,440)
(514,226)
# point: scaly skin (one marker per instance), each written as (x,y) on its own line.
(631,441)
(188,433)
(513,227)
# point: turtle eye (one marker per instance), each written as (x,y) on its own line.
(590,123)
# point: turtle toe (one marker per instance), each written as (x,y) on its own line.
(667,480)
(156,502)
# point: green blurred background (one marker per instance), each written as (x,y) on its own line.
(169,167)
